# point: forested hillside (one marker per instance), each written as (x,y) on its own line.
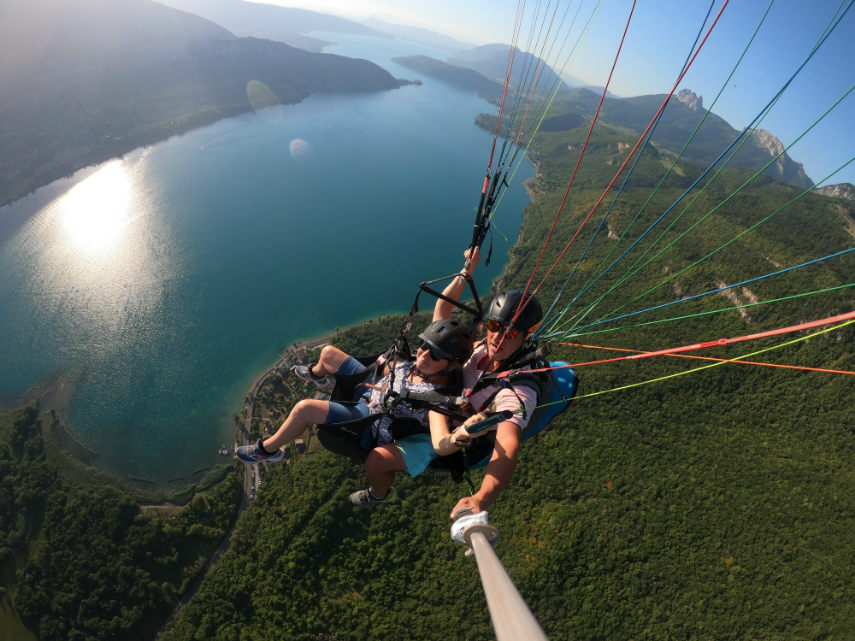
(716,505)
(82,557)
(677,498)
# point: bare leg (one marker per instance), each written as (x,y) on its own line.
(380,466)
(330,360)
(307,412)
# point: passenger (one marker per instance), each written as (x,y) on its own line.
(414,452)
(506,340)
(446,345)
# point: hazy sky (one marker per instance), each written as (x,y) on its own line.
(660,36)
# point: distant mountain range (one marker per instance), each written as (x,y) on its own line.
(419,35)
(482,71)
(491,61)
(282,24)
(86,80)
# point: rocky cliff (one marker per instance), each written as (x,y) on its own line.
(843,190)
(785,168)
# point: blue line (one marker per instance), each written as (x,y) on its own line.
(713,291)
(546,323)
(715,162)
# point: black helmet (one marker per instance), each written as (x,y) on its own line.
(450,338)
(505,305)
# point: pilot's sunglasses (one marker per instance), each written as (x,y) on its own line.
(435,356)
(496,326)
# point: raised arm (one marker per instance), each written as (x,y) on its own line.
(454,289)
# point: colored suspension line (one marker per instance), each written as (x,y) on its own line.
(485,205)
(833,23)
(595,235)
(498,182)
(716,360)
(721,289)
(581,154)
(594,279)
(623,165)
(722,341)
(608,318)
(826,290)
(514,163)
(527,83)
(839,318)
(630,273)
(544,58)
(511,53)
(717,364)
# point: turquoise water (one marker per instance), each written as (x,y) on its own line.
(169,278)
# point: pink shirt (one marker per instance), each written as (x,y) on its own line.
(507,398)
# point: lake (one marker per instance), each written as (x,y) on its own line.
(166,280)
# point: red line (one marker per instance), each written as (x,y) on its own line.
(511,53)
(578,161)
(631,153)
(722,341)
(718,360)
(540,66)
(727,341)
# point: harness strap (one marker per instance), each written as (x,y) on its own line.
(506,384)
(526,355)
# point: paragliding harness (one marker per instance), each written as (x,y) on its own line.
(348,438)
(553,382)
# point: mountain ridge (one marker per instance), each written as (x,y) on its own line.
(75,100)
(675,126)
(841,190)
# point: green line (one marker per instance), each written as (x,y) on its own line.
(676,160)
(569,61)
(726,362)
(721,204)
(728,243)
(570,334)
(626,276)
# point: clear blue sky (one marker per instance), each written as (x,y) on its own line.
(659,39)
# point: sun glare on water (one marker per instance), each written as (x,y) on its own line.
(99,254)
(96,213)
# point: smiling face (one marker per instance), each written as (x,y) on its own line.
(499,349)
(426,363)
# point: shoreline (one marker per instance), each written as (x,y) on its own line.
(286,359)
(531,189)
(287,356)
(52,395)
(54,392)
(14,190)
(64,163)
